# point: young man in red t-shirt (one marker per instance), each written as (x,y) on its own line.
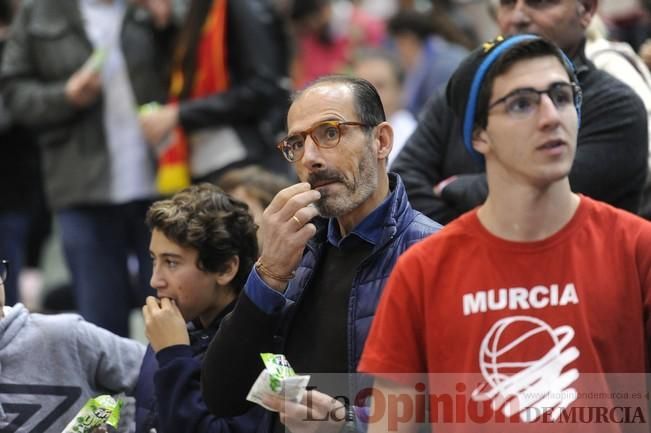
(531,312)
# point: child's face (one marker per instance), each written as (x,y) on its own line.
(175,275)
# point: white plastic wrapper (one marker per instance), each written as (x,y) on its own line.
(278,379)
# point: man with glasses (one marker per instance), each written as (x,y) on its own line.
(443,181)
(330,243)
(547,289)
(50,365)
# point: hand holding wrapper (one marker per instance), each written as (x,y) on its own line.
(278,379)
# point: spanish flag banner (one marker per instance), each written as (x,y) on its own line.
(210,76)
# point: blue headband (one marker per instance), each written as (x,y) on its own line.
(469,117)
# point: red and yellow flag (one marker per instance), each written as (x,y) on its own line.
(210,76)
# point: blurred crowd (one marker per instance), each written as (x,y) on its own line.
(109,105)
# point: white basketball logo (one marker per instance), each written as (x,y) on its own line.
(521,359)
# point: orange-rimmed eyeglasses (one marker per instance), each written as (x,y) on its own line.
(324,134)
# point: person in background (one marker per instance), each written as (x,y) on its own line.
(619,60)
(443,181)
(229,92)
(52,364)
(76,72)
(254,186)
(203,245)
(383,70)
(328,33)
(426,55)
(20,172)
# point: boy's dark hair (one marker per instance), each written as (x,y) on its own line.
(219,227)
(368,105)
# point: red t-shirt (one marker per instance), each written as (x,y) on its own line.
(532,324)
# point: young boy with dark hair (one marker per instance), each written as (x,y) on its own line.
(203,246)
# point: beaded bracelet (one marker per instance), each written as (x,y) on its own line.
(261,268)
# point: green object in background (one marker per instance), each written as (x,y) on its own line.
(96,60)
(149,107)
(98,411)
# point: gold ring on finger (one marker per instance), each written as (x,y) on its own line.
(298,221)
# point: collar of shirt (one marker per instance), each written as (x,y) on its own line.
(368,230)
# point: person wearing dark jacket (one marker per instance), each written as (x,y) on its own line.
(330,243)
(443,180)
(203,246)
(229,92)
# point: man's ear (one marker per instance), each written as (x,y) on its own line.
(231,267)
(480,140)
(586,10)
(384,139)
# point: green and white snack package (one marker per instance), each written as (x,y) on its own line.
(277,379)
(97,411)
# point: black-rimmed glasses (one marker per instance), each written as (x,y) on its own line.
(521,103)
(4,270)
(324,134)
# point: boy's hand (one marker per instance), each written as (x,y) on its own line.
(164,324)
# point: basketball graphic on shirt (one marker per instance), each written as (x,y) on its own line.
(522,359)
(503,354)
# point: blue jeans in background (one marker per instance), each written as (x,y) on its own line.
(97,242)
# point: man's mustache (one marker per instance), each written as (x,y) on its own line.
(324,177)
